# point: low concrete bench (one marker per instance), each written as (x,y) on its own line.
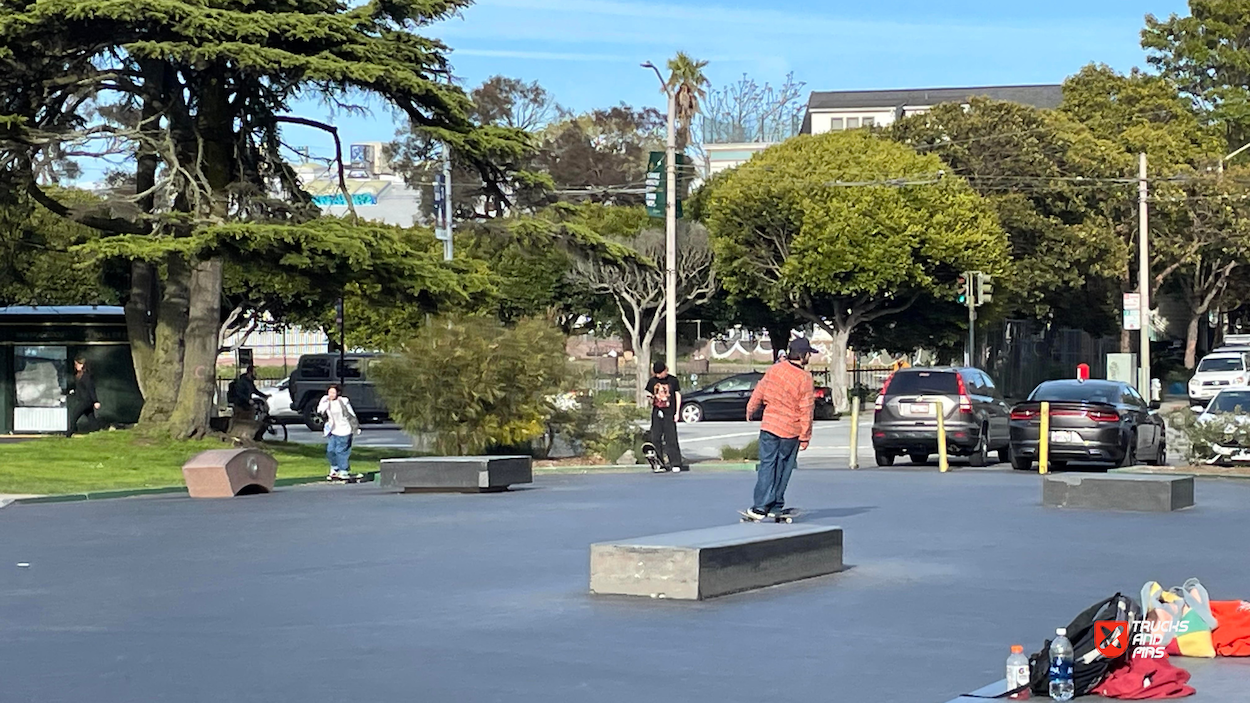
(1118,491)
(716,561)
(464,474)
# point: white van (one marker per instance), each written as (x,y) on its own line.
(1216,372)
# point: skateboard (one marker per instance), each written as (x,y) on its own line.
(653,458)
(354,478)
(787,516)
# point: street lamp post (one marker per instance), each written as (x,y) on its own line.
(670,227)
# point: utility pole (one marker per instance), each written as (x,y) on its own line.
(970,351)
(670,239)
(1143,276)
(670,226)
(447,245)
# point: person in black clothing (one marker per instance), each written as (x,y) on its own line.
(243,392)
(665,394)
(82,398)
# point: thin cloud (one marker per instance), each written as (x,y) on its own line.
(540,55)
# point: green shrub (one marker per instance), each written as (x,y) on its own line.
(594,427)
(1231,429)
(475,383)
(751,452)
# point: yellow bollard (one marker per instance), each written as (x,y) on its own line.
(943,464)
(855,432)
(1043,440)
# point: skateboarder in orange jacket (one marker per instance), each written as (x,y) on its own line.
(788,396)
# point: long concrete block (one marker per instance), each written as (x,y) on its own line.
(1142,492)
(716,561)
(475,474)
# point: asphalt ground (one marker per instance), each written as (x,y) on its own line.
(347,593)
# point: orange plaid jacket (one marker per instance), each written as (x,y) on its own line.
(788,396)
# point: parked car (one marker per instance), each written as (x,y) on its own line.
(973,412)
(1217,371)
(1090,421)
(278,399)
(1232,408)
(315,373)
(727,400)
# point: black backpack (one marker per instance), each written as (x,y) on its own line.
(232,393)
(1089,666)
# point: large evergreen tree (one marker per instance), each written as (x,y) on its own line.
(197,94)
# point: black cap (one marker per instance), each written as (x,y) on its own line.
(658,367)
(800,346)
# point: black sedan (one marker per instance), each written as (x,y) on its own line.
(1090,421)
(727,400)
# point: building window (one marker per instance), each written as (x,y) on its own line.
(852,123)
(835,124)
(868,121)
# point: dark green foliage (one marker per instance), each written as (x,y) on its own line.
(476,383)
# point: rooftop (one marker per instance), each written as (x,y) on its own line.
(1044,96)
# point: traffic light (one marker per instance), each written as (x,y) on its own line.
(985,288)
(961,289)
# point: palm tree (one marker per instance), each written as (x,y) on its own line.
(686,81)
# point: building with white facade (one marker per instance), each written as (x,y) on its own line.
(830,111)
(838,110)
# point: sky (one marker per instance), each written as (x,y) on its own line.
(586,53)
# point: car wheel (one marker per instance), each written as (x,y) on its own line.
(918,458)
(1162,458)
(312,420)
(1130,452)
(1004,455)
(1019,463)
(885,459)
(978,456)
(691,412)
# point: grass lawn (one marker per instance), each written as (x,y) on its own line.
(115,460)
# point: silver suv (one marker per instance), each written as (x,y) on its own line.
(975,415)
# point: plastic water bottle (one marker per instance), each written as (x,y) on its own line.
(1061,656)
(1018,673)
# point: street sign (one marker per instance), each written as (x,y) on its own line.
(1132,311)
(657,184)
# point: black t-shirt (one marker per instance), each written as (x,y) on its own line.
(663,392)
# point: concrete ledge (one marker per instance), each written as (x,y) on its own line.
(1140,492)
(716,561)
(474,474)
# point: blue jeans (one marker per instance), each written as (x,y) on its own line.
(339,452)
(778,457)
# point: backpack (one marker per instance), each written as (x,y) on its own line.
(1089,666)
(232,393)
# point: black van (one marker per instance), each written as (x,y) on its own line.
(314,375)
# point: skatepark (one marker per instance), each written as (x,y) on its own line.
(333,593)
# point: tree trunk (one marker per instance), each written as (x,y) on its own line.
(1191,339)
(642,372)
(139,322)
(196,391)
(165,367)
(837,368)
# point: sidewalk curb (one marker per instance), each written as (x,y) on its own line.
(1195,471)
(160,490)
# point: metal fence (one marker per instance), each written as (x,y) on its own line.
(1020,354)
